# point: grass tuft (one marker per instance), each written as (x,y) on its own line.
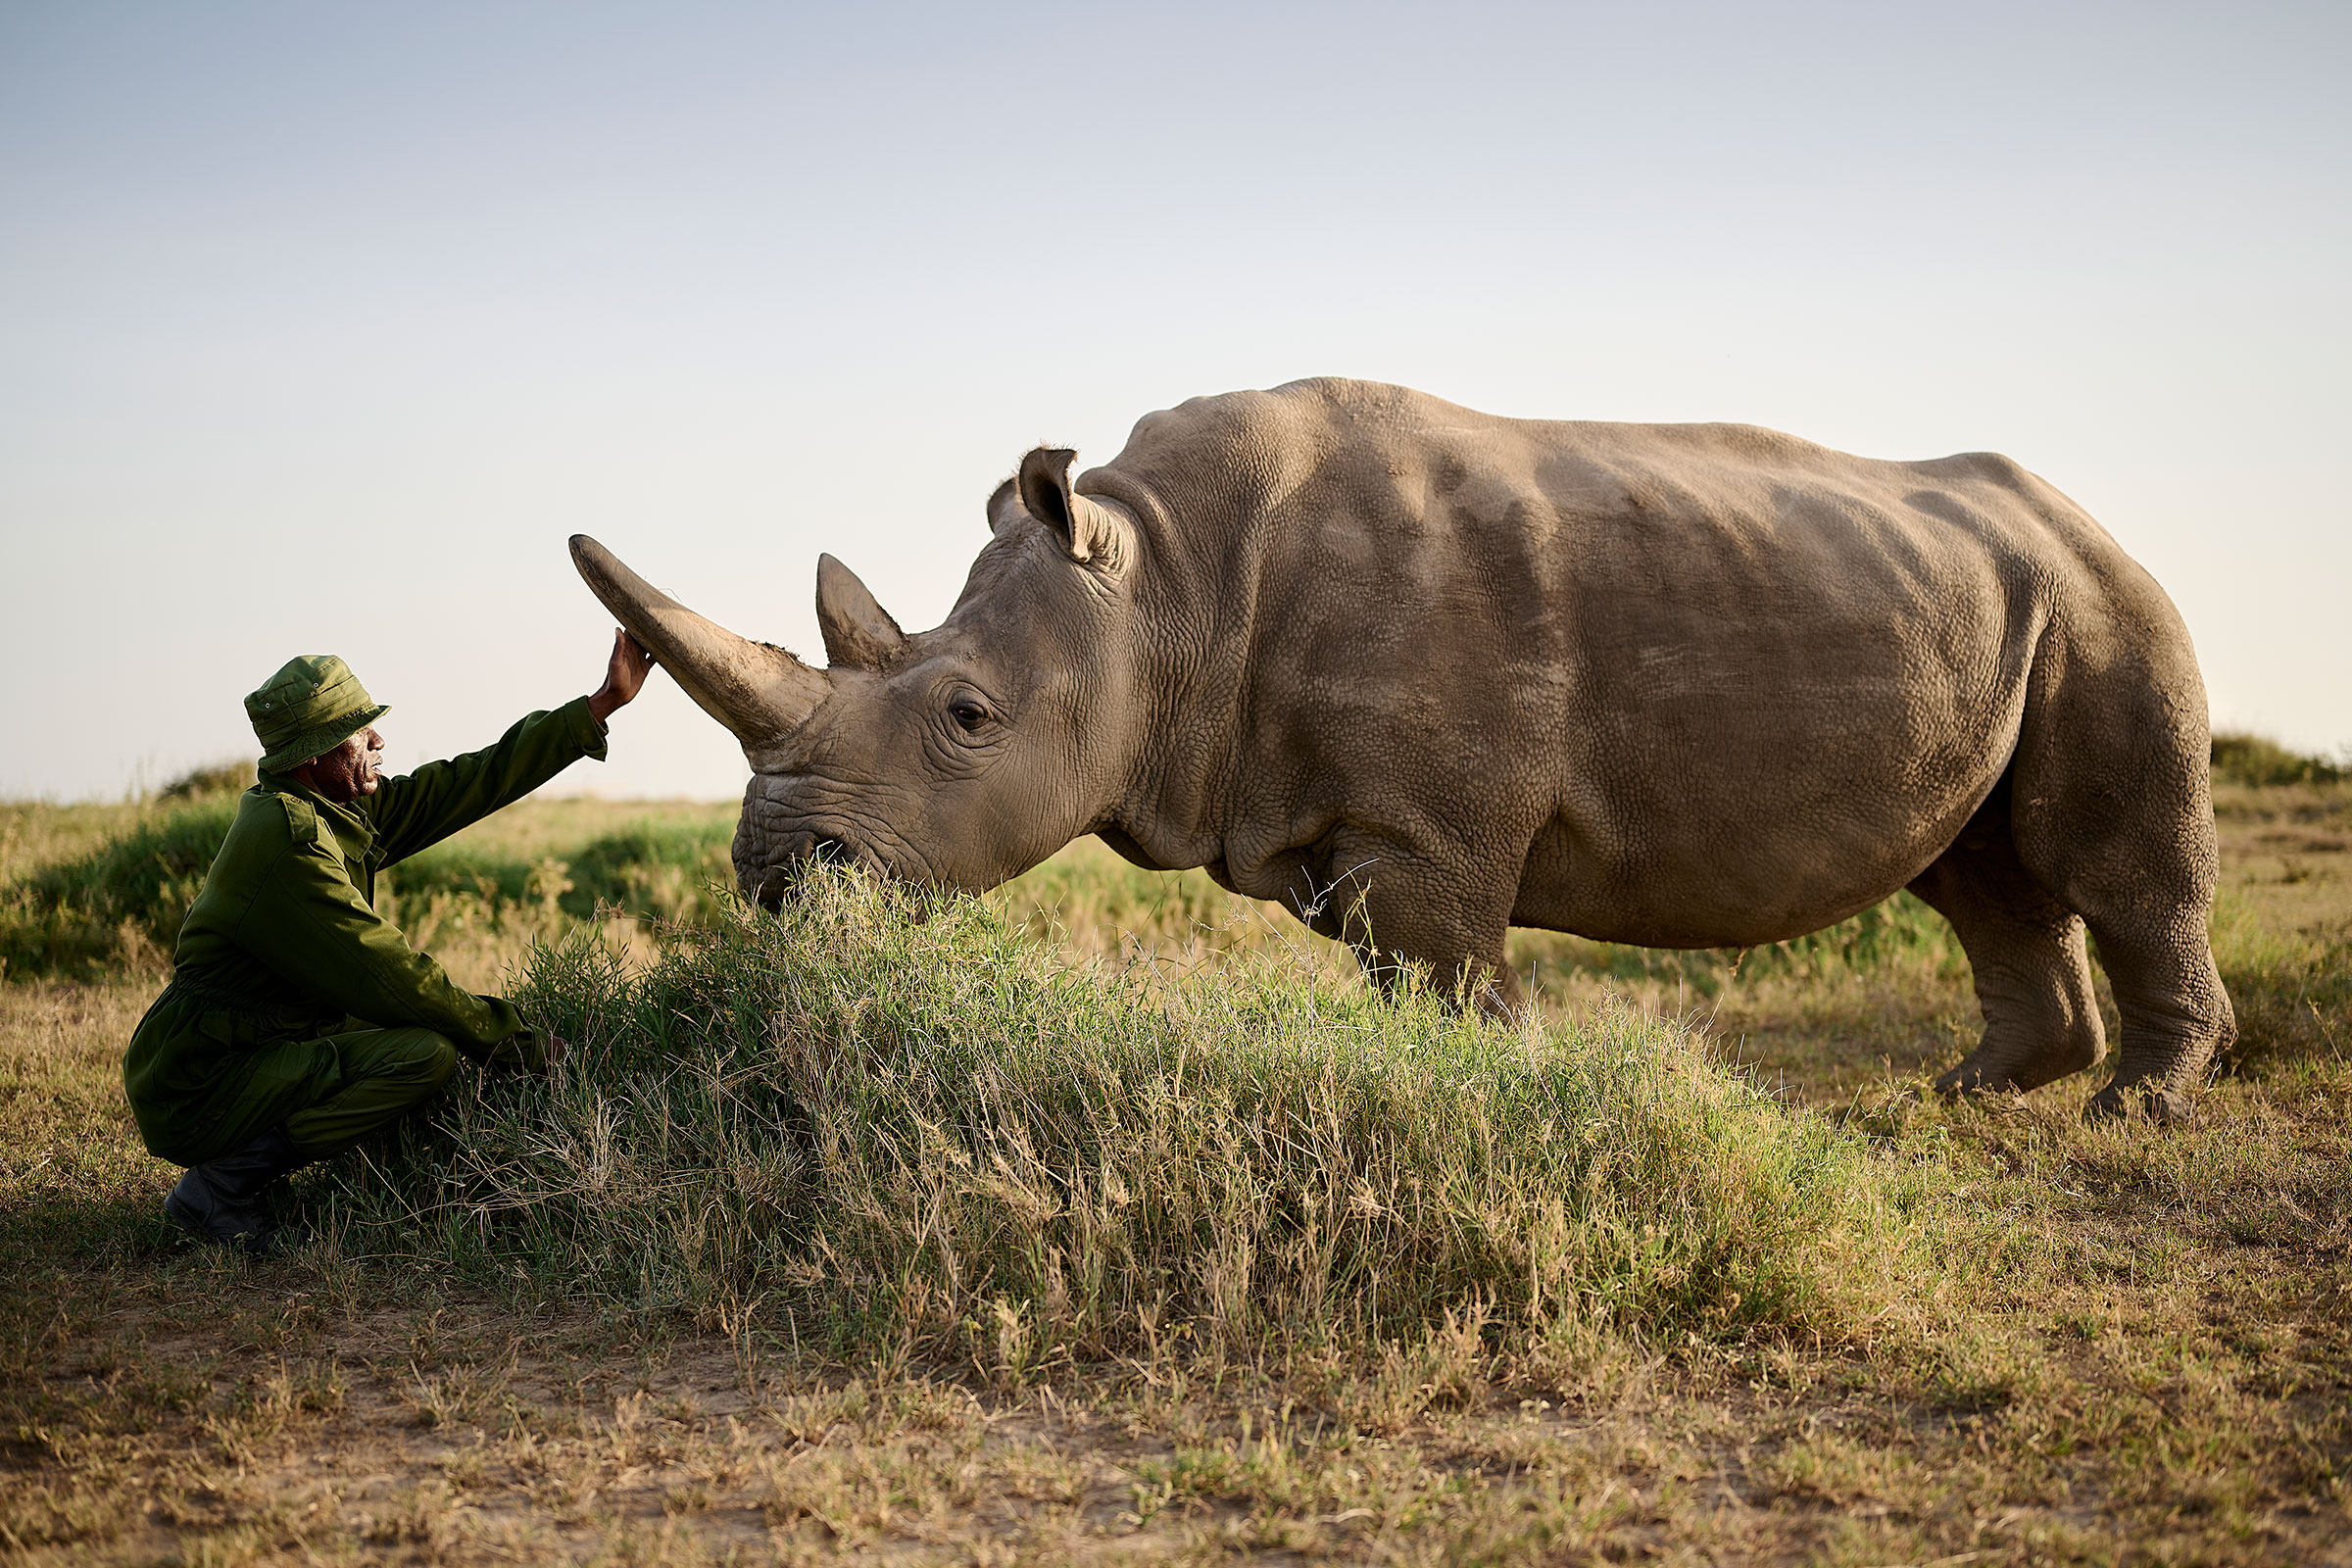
(908,1133)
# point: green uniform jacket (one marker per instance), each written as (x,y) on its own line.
(284,946)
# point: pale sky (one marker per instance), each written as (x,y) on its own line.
(322,327)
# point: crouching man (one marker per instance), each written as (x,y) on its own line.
(298,1020)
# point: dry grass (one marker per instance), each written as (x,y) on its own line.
(2092,1344)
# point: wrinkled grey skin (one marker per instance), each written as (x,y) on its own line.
(1423,674)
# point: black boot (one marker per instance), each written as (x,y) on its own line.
(223,1199)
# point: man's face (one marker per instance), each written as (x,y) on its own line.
(349,771)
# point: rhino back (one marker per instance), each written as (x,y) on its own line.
(1689,683)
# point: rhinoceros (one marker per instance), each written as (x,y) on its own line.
(1423,674)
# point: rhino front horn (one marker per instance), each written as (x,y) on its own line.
(757,690)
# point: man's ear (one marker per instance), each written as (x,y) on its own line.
(1091,533)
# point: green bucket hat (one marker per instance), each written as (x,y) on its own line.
(314,704)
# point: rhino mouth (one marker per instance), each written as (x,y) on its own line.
(778,872)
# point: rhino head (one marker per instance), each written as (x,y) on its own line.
(958,757)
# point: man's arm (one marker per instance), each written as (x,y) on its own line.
(428,806)
(425,807)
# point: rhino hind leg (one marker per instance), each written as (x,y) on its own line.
(2027,956)
(2177,1016)
(2115,817)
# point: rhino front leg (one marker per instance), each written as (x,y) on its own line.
(1405,913)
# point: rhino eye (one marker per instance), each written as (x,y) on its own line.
(967,714)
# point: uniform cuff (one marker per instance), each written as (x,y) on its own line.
(584,728)
(527,1050)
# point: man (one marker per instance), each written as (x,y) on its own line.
(298,1020)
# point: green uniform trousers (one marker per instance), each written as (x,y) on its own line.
(339,1089)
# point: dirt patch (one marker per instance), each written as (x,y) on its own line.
(227,1413)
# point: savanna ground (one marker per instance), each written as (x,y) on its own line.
(1109,1220)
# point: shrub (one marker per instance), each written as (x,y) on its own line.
(2257,760)
(126,896)
(664,869)
(82,916)
(220,779)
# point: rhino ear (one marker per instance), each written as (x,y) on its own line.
(858,631)
(1090,533)
(1004,507)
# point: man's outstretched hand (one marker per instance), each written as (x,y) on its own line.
(624,676)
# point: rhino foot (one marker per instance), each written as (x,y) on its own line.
(1997,1068)
(2161,1105)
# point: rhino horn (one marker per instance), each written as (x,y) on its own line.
(858,631)
(757,690)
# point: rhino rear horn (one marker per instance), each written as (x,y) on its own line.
(1090,531)
(757,690)
(858,632)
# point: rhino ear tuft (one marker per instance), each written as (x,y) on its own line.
(1090,533)
(859,633)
